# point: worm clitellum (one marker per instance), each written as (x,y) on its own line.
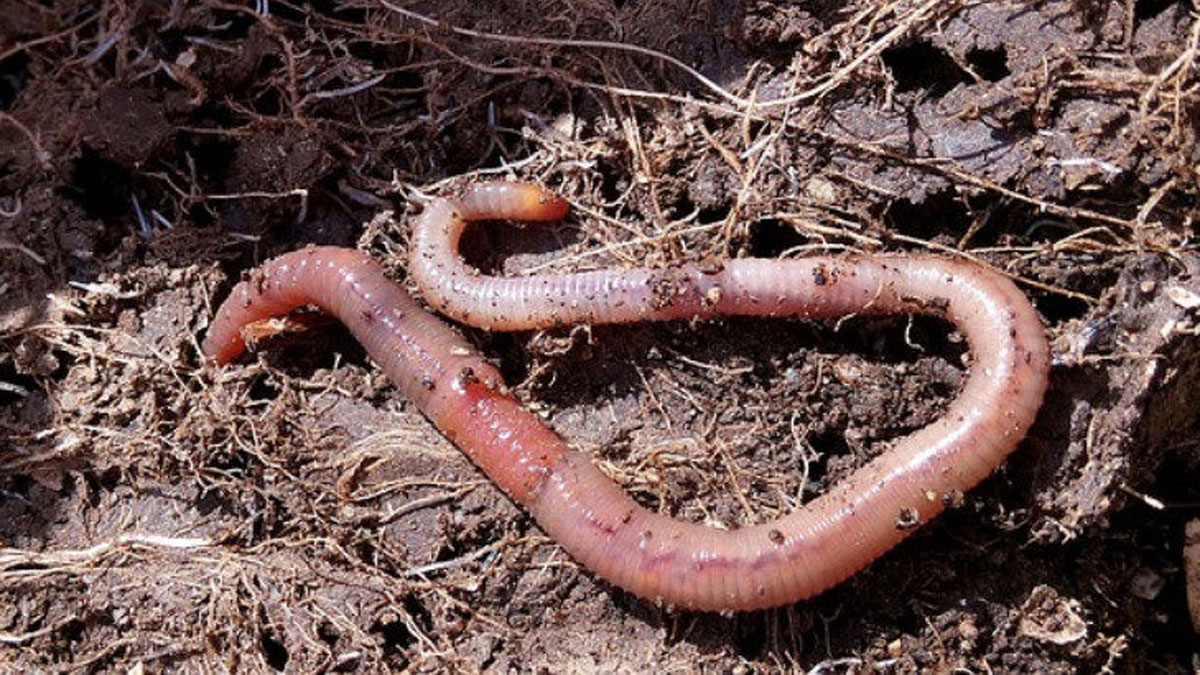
(680,563)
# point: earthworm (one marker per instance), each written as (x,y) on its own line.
(679,563)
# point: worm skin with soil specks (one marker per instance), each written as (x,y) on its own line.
(656,557)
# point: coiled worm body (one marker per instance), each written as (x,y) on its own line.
(656,557)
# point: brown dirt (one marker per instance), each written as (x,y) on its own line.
(291,513)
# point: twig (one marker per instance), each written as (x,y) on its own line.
(26,560)
(22,46)
(16,639)
(13,246)
(39,152)
(456,562)
(423,502)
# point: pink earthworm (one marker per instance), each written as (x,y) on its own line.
(682,564)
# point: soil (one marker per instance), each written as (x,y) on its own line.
(290,512)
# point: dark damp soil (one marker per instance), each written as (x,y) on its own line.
(291,512)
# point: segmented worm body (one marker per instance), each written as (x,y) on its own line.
(683,564)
